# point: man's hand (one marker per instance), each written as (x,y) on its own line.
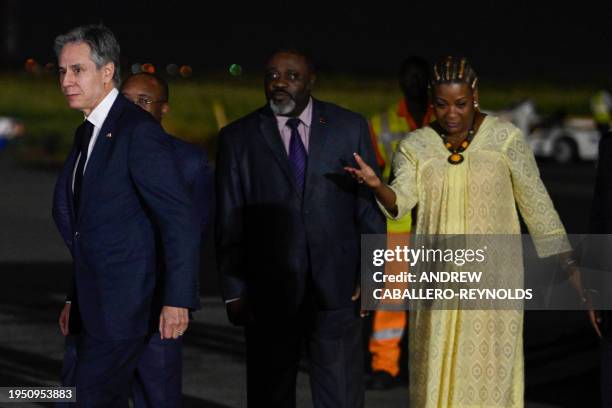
(355,298)
(356,293)
(173,322)
(236,312)
(64,319)
(595,321)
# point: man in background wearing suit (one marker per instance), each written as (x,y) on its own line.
(151,93)
(158,379)
(289,222)
(122,191)
(601,225)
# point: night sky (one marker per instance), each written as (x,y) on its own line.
(513,41)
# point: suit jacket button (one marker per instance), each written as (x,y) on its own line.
(76,234)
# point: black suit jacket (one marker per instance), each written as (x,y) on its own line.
(595,251)
(601,209)
(193,163)
(273,243)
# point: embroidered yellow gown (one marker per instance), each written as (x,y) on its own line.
(472,358)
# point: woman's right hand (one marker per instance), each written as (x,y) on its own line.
(585,297)
(364,174)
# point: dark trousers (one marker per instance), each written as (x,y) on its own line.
(159,374)
(107,373)
(333,343)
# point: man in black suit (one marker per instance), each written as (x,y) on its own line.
(289,221)
(120,189)
(601,223)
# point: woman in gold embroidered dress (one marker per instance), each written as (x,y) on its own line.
(468,172)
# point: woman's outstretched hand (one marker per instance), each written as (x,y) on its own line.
(364,174)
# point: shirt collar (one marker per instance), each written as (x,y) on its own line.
(305,116)
(100,112)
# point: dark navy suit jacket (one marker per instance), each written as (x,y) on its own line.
(275,243)
(132,191)
(193,163)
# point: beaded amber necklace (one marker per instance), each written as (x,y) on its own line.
(456,157)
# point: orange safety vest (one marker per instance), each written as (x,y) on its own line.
(387,129)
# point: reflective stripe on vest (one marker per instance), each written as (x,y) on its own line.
(388,334)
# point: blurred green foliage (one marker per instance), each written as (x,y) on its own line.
(37,101)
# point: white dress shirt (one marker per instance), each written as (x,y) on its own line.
(96,118)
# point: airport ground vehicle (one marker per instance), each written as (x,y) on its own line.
(559,136)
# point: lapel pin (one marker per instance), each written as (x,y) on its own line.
(109,135)
(322,121)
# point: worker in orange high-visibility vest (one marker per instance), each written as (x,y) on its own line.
(387,130)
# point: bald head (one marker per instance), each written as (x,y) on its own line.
(148,91)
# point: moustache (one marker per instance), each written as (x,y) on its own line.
(276,93)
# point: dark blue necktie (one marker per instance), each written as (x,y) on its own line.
(84,134)
(297,154)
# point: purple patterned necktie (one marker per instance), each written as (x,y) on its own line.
(297,154)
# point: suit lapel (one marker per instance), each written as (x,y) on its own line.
(69,193)
(101,148)
(269,129)
(318,138)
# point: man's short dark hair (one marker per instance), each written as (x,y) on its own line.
(161,82)
(102,42)
(295,51)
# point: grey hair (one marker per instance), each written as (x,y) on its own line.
(102,43)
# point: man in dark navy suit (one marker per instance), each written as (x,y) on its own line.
(289,222)
(122,191)
(158,377)
(151,93)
